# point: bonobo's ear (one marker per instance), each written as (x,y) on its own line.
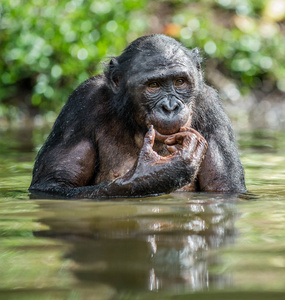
(114,75)
(197,61)
(197,58)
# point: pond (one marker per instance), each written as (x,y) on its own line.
(177,246)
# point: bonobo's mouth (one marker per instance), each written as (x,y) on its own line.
(162,135)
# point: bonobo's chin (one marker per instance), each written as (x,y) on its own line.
(167,131)
(162,137)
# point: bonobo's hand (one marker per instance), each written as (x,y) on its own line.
(175,141)
(155,174)
(152,174)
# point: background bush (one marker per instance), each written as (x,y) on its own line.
(49,47)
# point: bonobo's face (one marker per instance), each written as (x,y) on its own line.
(163,90)
(165,99)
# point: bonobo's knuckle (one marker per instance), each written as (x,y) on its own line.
(149,140)
(187,141)
(145,157)
(190,142)
(203,144)
(184,129)
(149,136)
(172,149)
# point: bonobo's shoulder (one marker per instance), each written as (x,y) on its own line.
(90,90)
(210,91)
(211,97)
(95,82)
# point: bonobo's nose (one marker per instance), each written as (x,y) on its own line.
(170,106)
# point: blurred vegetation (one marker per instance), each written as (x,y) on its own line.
(243,36)
(48,48)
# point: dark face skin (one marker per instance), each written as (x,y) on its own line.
(164,96)
(164,101)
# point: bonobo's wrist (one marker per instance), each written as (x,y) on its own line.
(161,181)
(155,184)
(119,187)
(126,186)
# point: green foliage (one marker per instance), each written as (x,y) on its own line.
(49,47)
(242,36)
(58,44)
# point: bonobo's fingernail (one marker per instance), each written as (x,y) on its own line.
(151,133)
(170,140)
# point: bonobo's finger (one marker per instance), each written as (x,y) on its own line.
(182,138)
(173,149)
(160,137)
(183,129)
(189,129)
(201,147)
(190,143)
(176,138)
(196,133)
(149,140)
(171,140)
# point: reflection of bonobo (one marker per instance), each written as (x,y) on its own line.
(147,246)
(141,129)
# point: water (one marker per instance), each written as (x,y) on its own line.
(204,246)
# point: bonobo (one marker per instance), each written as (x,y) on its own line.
(148,126)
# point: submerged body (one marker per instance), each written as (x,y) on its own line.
(149,125)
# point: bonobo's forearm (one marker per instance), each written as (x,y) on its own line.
(126,186)
(107,189)
(152,174)
(159,181)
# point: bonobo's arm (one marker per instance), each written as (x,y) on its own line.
(221,169)
(151,175)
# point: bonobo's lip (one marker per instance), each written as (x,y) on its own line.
(162,137)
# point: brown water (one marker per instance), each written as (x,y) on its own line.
(178,246)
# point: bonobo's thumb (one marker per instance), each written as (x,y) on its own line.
(149,140)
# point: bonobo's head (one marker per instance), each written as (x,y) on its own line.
(162,80)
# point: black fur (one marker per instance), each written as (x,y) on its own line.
(101,116)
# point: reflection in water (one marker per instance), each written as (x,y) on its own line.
(163,245)
(145,245)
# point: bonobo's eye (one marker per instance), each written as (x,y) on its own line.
(153,85)
(180,82)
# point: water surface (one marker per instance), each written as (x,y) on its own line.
(178,246)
